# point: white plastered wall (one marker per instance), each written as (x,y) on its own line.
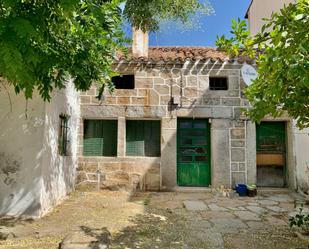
(301,138)
(33,176)
(21,153)
(58,172)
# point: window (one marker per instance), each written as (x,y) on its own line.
(63,135)
(143,138)
(100,137)
(218,83)
(123,81)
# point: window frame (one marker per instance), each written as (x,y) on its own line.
(63,135)
(102,152)
(124,75)
(145,145)
(220,88)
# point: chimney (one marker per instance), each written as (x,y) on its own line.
(140,43)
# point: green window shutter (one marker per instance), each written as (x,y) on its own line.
(152,139)
(100,138)
(110,128)
(135,138)
(143,138)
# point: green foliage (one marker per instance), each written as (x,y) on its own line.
(43,42)
(300,220)
(281,50)
(147,14)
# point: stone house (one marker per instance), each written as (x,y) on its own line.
(175,120)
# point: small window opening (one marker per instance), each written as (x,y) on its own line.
(123,81)
(218,83)
(63,135)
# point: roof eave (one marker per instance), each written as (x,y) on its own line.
(247,12)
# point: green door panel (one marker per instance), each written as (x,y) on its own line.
(193,152)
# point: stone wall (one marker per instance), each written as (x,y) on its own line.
(155,84)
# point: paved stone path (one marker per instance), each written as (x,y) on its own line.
(223,219)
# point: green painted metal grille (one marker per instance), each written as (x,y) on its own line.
(193,152)
(100,137)
(270,137)
(143,138)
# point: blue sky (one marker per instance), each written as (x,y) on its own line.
(210,26)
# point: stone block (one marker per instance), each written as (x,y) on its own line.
(191,81)
(127,167)
(234,166)
(92,176)
(125,92)
(164,100)
(85,99)
(118,176)
(90,167)
(139,101)
(233,93)
(195,205)
(158,81)
(95,100)
(176,72)
(154,169)
(234,83)
(238,133)
(152,182)
(153,98)
(190,92)
(238,143)
(145,111)
(169,123)
(153,72)
(172,82)
(203,82)
(109,100)
(109,166)
(123,100)
(221,124)
(81,177)
(220,154)
(211,101)
(230,101)
(238,155)
(165,74)
(176,91)
(142,92)
(238,177)
(91,92)
(162,89)
(242,166)
(143,82)
(239,123)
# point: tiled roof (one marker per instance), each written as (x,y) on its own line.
(180,54)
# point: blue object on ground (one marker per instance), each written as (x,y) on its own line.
(241,189)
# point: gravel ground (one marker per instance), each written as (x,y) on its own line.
(161,220)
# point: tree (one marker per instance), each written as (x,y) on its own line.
(281,50)
(41,42)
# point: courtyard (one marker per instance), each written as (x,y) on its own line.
(114,219)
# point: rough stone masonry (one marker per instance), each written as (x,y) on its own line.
(157,80)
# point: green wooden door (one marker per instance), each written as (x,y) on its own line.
(193,152)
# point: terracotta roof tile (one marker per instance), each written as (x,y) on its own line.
(169,54)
